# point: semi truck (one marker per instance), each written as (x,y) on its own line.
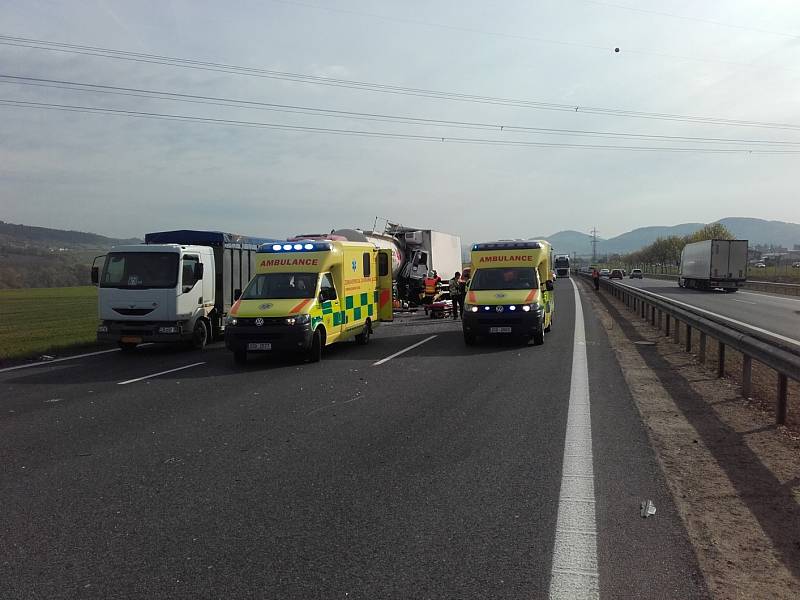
(561,263)
(176,287)
(415,252)
(714,264)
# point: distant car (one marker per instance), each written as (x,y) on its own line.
(616,274)
(604,272)
(760,265)
(636,274)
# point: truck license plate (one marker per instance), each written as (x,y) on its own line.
(131,339)
(261,346)
(499,329)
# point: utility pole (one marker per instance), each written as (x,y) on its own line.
(594,244)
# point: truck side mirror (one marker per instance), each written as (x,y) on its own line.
(237,294)
(95,275)
(198,271)
(549,285)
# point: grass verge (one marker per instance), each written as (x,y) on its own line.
(39,320)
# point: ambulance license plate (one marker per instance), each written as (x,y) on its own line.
(130,339)
(499,329)
(260,346)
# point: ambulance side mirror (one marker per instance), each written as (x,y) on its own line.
(549,285)
(237,294)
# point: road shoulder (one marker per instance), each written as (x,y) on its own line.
(732,475)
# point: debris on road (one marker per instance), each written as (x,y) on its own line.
(648,509)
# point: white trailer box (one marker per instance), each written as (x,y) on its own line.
(714,264)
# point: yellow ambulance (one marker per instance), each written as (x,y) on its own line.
(308,294)
(510,292)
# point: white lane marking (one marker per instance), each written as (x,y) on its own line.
(160,373)
(745,301)
(403,351)
(768,296)
(44,363)
(713,314)
(574,574)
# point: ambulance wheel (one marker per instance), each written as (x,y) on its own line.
(240,357)
(538,335)
(127,347)
(314,353)
(199,335)
(363,337)
(469,339)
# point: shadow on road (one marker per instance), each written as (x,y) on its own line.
(773,504)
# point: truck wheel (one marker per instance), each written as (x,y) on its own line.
(680,282)
(538,335)
(314,353)
(469,339)
(200,335)
(363,337)
(127,347)
(240,357)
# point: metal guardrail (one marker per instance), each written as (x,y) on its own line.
(772,287)
(664,314)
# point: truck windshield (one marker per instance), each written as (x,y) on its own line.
(138,270)
(275,286)
(505,278)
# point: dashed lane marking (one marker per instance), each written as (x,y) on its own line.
(160,373)
(403,351)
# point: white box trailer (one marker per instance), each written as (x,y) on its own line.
(713,264)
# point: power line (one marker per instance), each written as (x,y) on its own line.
(403,119)
(529,38)
(374,87)
(376,134)
(686,18)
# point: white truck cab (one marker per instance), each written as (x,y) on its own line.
(168,291)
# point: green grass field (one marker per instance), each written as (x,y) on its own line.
(38,320)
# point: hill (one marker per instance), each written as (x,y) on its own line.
(33,257)
(757,231)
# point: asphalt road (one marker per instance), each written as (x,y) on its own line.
(774,314)
(435,474)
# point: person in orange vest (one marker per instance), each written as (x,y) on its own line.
(431,285)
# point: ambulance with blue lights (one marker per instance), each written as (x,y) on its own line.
(510,293)
(308,294)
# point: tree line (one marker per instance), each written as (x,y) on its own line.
(665,252)
(25,269)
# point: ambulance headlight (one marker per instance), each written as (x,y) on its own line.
(298,320)
(230,321)
(470,308)
(527,308)
(512,307)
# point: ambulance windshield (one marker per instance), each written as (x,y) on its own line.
(505,278)
(281,285)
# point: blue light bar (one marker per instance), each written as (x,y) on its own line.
(302,246)
(523,245)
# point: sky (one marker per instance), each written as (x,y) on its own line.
(122,175)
